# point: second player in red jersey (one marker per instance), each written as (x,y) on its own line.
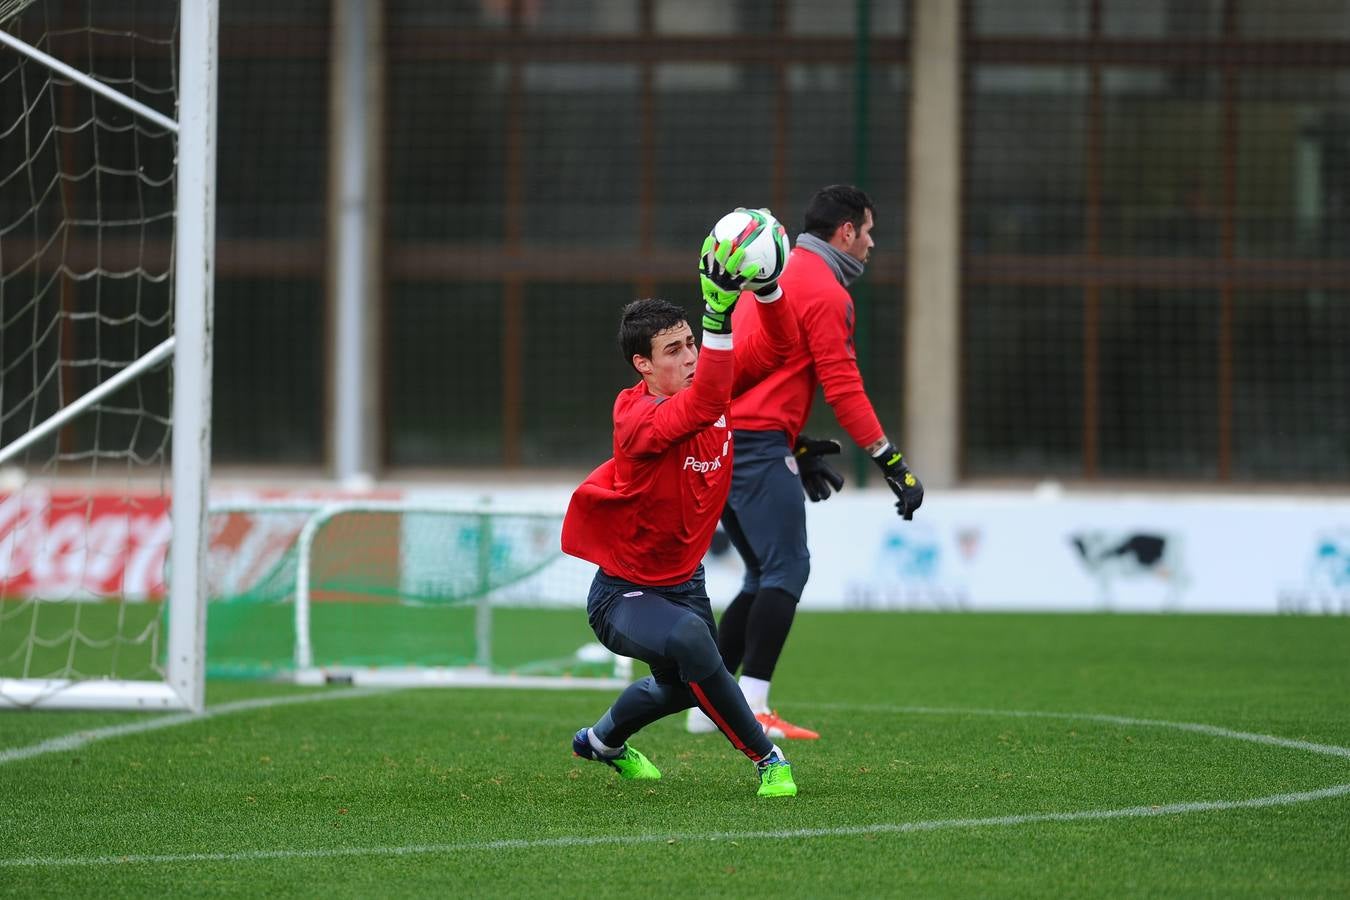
(765,516)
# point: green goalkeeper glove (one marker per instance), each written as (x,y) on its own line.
(907,489)
(722,275)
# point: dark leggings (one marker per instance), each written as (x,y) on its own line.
(672,630)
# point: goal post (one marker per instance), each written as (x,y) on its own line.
(194,277)
(397,593)
(107,179)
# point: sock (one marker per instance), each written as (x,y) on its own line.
(601,748)
(775,755)
(756,691)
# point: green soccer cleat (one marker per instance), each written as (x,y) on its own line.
(630,764)
(775,778)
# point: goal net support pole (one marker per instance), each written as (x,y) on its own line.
(183,687)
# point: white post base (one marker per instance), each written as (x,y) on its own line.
(102,694)
(468,676)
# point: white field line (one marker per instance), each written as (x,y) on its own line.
(78,739)
(1132,812)
(1211,730)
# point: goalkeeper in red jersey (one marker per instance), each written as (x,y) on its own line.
(646,517)
(765,516)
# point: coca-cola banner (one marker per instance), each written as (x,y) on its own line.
(66,545)
(996,550)
(60,544)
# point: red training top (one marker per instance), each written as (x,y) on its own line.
(648,514)
(824,312)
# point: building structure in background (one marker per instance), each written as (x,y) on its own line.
(1154,200)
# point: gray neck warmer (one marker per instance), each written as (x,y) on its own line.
(846,268)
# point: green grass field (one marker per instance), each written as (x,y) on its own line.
(963,755)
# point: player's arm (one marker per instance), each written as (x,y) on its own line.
(829,335)
(828,331)
(722,273)
(667,422)
(768,347)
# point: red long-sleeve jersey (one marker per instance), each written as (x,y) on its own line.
(826,356)
(648,514)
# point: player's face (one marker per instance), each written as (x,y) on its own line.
(671,366)
(858,241)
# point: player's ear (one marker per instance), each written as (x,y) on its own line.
(843,234)
(642,364)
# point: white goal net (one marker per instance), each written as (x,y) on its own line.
(395,593)
(106,170)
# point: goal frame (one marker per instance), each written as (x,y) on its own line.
(184,684)
(477,674)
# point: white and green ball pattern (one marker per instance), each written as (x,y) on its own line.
(763,237)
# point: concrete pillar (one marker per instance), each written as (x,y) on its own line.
(355,232)
(931,441)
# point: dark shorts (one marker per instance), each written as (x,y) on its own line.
(765,515)
(637,621)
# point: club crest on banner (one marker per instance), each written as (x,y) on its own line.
(1326,585)
(916,566)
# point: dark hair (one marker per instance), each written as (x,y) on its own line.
(643,320)
(833,206)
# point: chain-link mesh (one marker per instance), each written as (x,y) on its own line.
(1142,180)
(550,161)
(1155,217)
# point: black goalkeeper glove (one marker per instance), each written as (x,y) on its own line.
(818,476)
(907,489)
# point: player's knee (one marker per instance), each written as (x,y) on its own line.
(692,646)
(789,575)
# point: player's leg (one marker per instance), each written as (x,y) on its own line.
(675,633)
(631,630)
(731,626)
(718,695)
(677,640)
(732,623)
(771,515)
(646,700)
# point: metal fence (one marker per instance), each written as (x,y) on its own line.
(1156,202)
(1156,217)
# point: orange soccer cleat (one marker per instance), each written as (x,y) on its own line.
(776,727)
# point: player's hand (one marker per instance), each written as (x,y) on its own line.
(818,476)
(907,489)
(722,276)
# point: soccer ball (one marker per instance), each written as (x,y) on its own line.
(763,237)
